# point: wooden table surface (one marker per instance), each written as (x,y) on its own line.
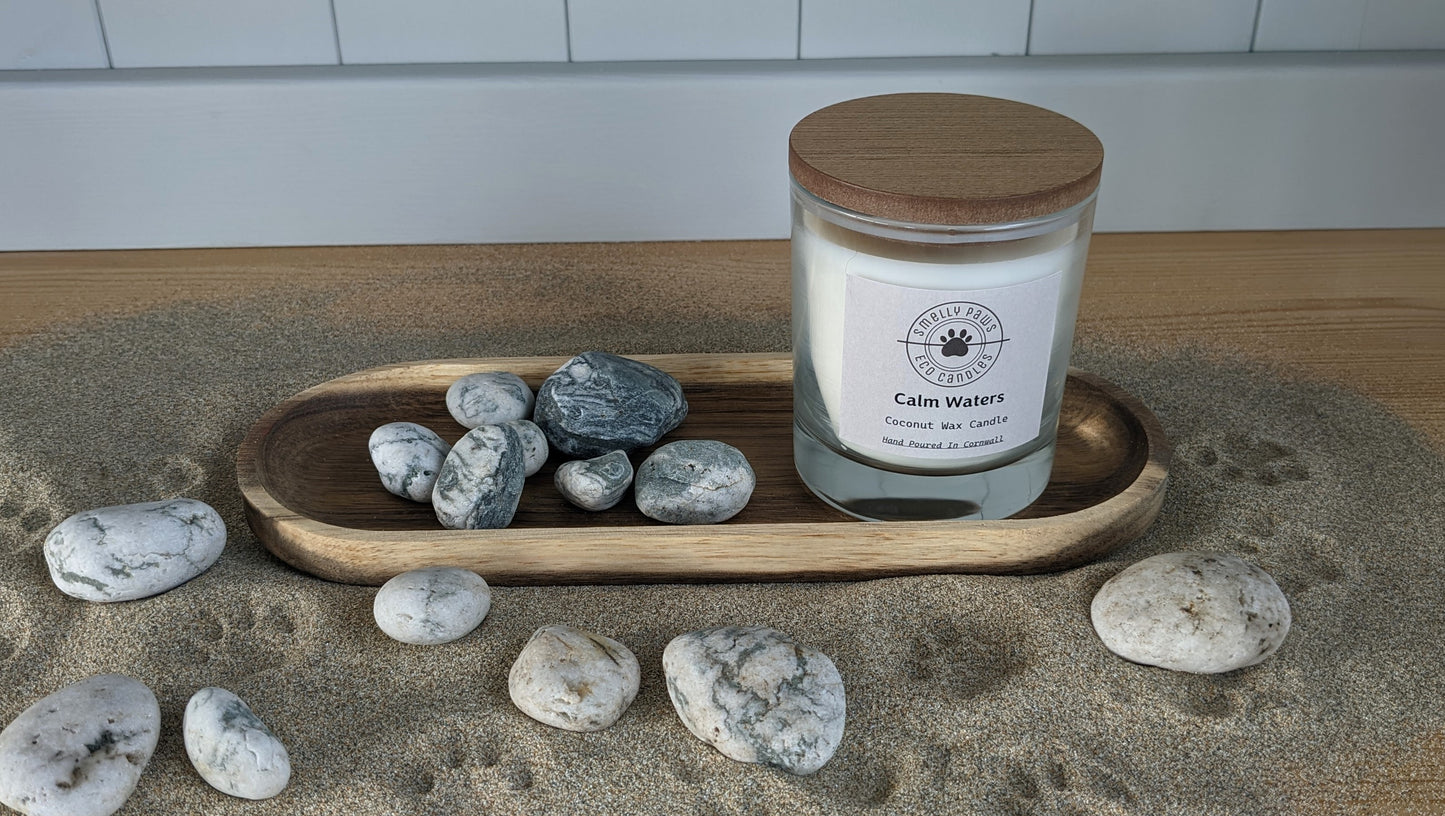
(1362,308)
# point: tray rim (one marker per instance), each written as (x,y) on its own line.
(769,551)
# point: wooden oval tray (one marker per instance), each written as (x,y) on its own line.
(314,499)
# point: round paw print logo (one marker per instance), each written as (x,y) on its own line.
(954,344)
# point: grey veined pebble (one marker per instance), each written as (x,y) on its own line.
(534,445)
(599,402)
(81,750)
(231,748)
(408,458)
(573,679)
(432,605)
(757,696)
(1192,611)
(489,398)
(480,482)
(134,550)
(594,484)
(694,481)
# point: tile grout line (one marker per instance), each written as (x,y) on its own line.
(566,25)
(1029,32)
(104,37)
(799,53)
(1254,33)
(336,34)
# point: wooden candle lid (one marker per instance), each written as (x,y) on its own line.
(947,159)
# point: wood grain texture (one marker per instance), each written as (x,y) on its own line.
(1361,308)
(945,158)
(314,499)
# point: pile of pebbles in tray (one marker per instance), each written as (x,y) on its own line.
(595,410)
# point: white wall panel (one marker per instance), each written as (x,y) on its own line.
(1141,26)
(1404,24)
(180,33)
(409,31)
(913,28)
(460,154)
(50,34)
(618,30)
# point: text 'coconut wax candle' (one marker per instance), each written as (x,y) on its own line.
(938,250)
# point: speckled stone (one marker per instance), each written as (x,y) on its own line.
(231,748)
(432,605)
(81,750)
(1192,611)
(480,482)
(408,457)
(534,445)
(694,481)
(599,402)
(489,398)
(594,484)
(134,551)
(757,696)
(574,679)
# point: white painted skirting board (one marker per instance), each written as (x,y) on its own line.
(466,154)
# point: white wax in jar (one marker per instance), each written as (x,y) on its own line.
(827,265)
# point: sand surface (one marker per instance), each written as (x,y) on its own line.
(966,694)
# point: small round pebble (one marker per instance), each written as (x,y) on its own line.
(432,605)
(534,445)
(599,402)
(755,695)
(573,679)
(408,457)
(133,551)
(694,481)
(480,482)
(489,398)
(595,484)
(1196,612)
(231,748)
(81,750)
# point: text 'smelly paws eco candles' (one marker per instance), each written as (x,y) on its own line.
(938,250)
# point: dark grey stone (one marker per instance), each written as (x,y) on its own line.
(595,484)
(599,402)
(694,481)
(481,480)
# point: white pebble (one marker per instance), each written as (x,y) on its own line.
(231,748)
(757,696)
(81,750)
(1192,611)
(134,550)
(489,398)
(408,458)
(595,484)
(534,445)
(573,679)
(432,605)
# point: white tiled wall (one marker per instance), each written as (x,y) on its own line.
(620,30)
(1141,26)
(913,28)
(50,34)
(390,31)
(159,33)
(1348,25)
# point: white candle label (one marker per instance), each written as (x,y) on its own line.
(945,374)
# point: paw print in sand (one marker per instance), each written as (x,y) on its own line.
(955,345)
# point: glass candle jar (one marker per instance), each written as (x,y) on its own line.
(938,251)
